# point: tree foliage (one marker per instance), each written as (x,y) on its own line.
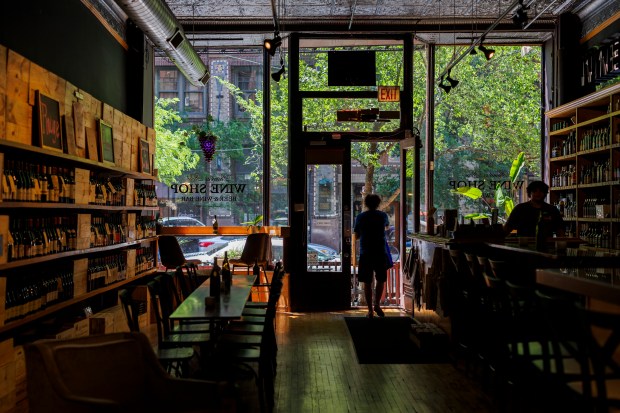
(487,120)
(480,126)
(173,156)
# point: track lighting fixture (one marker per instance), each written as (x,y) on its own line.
(488,53)
(276,76)
(446,88)
(272,44)
(520,17)
(453,82)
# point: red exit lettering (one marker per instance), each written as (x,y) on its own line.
(388,94)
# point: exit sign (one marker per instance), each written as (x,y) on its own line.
(389,94)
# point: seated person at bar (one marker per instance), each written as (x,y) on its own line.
(524,217)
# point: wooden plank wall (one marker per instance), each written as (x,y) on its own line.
(20,79)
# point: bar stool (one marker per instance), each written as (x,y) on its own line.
(569,367)
(463,311)
(601,333)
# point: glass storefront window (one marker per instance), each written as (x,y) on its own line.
(483,124)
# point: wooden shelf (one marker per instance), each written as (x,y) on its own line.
(76,160)
(563,131)
(597,185)
(56,307)
(595,220)
(570,157)
(52,257)
(58,205)
(588,112)
(563,188)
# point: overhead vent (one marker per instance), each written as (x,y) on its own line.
(156,20)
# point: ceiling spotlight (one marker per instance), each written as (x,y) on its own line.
(446,88)
(272,44)
(488,53)
(278,75)
(453,82)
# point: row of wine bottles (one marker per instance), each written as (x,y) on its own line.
(27,293)
(110,229)
(146,226)
(34,237)
(112,268)
(595,138)
(599,172)
(145,195)
(106,191)
(567,207)
(107,230)
(113,192)
(568,145)
(598,235)
(27,182)
(145,259)
(106,270)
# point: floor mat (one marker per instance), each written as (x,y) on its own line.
(388,341)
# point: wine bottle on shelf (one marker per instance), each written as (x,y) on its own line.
(216,225)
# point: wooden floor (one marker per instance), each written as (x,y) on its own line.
(318,372)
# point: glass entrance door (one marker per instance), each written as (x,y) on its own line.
(324,217)
(376,168)
(327,279)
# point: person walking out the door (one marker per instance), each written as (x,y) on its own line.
(370,228)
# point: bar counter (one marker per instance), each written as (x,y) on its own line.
(558,252)
(596,283)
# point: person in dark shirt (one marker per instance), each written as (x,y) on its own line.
(370,228)
(525,216)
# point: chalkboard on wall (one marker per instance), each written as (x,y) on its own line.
(49,123)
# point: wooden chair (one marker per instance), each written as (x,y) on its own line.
(113,373)
(174,360)
(172,258)
(257,249)
(249,344)
(166,336)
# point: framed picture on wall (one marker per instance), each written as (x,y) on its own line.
(145,157)
(49,122)
(106,142)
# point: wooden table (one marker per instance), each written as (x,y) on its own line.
(230,305)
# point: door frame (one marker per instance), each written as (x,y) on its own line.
(305,294)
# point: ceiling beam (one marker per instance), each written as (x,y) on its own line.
(360,25)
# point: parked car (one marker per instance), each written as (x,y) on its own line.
(234,248)
(195,244)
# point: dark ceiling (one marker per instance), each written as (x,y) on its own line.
(241,23)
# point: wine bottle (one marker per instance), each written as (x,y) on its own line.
(540,233)
(214,281)
(216,225)
(226,274)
